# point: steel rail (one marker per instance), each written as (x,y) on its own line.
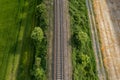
(62,38)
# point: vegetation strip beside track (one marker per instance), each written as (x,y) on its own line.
(83,60)
(40,42)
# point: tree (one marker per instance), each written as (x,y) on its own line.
(37,34)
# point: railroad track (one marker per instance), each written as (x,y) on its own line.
(95,41)
(58,42)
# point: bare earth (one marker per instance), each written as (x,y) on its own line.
(107,13)
(67,54)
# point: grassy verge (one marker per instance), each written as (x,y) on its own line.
(83,60)
(25,47)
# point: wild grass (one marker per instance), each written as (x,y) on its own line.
(83,60)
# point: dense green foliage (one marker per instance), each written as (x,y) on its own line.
(41,16)
(39,66)
(84,66)
(37,34)
(40,42)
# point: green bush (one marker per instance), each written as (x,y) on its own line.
(41,16)
(37,34)
(39,74)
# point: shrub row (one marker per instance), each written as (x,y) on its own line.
(40,42)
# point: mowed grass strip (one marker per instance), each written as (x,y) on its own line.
(27,48)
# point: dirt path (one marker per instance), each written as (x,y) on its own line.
(95,41)
(107,14)
(67,54)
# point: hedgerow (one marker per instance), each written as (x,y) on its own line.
(39,38)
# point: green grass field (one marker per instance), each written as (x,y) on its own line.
(15,25)
(8,35)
